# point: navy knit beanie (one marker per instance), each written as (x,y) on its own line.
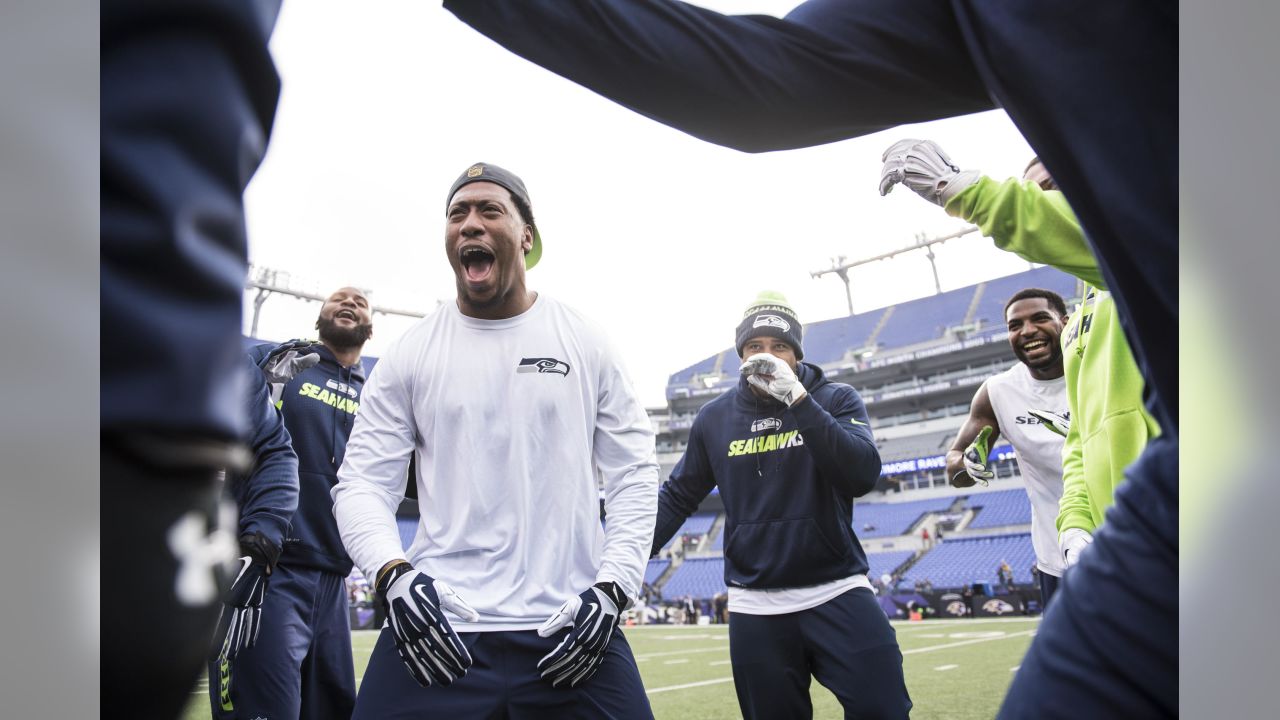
(770,314)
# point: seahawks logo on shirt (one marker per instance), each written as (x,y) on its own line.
(543,365)
(766,424)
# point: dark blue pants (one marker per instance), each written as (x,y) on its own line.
(846,643)
(503,682)
(1108,646)
(1048,586)
(301,666)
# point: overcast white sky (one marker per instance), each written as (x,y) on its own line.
(660,237)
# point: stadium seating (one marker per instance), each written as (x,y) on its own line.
(696,524)
(996,509)
(702,578)
(887,519)
(925,319)
(956,563)
(886,562)
(407,527)
(827,341)
(916,446)
(990,311)
(698,577)
(655,569)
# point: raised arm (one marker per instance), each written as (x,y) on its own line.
(830,70)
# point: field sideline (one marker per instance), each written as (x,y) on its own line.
(956,669)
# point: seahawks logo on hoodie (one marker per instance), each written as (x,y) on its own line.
(543,365)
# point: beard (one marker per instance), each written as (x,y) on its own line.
(343,337)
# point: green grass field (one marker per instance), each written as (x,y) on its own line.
(956,669)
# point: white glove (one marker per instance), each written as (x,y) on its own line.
(774,377)
(925,168)
(285,361)
(1073,541)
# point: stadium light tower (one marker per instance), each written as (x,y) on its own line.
(267,281)
(841,268)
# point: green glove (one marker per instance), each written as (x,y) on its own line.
(976,456)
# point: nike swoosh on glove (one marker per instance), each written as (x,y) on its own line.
(427,644)
(242,610)
(592,616)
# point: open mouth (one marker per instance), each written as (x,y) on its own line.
(345,314)
(477,263)
(1035,346)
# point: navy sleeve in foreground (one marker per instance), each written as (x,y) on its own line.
(751,82)
(841,442)
(188,97)
(268,497)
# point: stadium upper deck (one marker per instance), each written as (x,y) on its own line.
(916,365)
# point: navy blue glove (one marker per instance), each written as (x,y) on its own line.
(242,612)
(427,644)
(592,617)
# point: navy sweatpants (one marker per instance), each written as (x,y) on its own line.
(846,643)
(1048,586)
(301,665)
(503,682)
(1108,645)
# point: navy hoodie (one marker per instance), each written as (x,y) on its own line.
(788,477)
(267,497)
(319,406)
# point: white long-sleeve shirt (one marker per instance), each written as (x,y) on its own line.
(509,420)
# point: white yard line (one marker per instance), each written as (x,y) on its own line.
(967,620)
(946,667)
(678,661)
(669,653)
(959,643)
(717,681)
(704,683)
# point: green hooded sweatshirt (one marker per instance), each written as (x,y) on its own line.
(1109,424)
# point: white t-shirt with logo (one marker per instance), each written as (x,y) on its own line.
(1039,450)
(509,421)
